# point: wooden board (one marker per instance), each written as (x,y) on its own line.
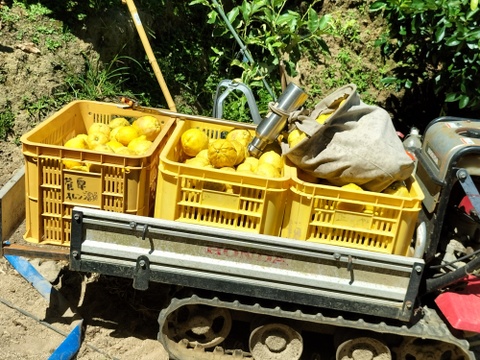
(12,204)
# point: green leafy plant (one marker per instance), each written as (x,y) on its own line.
(434,41)
(275,34)
(52,45)
(8,18)
(38,108)
(345,25)
(34,11)
(7,121)
(99,81)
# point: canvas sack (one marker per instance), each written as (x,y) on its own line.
(357,144)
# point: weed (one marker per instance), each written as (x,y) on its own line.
(345,25)
(20,35)
(99,81)
(34,11)
(52,45)
(42,29)
(7,121)
(8,18)
(67,36)
(38,108)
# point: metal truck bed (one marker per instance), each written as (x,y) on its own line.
(266,267)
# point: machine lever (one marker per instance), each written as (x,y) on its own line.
(470,189)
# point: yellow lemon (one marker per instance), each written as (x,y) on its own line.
(203,154)
(95,139)
(222,153)
(70,164)
(148,125)
(114,144)
(125,134)
(398,188)
(272,158)
(253,161)
(140,145)
(350,206)
(352,186)
(99,128)
(103,148)
(241,151)
(322,118)
(197,162)
(193,141)
(245,167)
(123,151)
(118,121)
(75,143)
(267,170)
(338,102)
(80,168)
(294,137)
(78,142)
(83,136)
(369,209)
(243,136)
(113,133)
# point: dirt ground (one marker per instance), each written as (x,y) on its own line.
(120,323)
(32,328)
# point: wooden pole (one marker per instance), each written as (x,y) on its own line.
(151,57)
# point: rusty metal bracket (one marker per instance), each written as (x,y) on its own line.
(141,277)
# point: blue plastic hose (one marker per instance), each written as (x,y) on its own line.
(71,345)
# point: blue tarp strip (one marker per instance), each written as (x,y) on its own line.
(31,274)
(71,345)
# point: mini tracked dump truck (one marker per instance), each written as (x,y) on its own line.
(395,282)
(265,269)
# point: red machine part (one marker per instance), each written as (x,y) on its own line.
(466,205)
(461,308)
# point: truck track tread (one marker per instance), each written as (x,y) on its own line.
(429,326)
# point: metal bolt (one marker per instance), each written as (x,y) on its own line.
(76,217)
(409,305)
(133,224)
(462,175)
(142,264)
(418,269)
(75,254)
(337,256)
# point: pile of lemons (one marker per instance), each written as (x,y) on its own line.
(397,189)
(119,136)
(229,154)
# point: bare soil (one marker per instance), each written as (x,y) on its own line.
(120,323)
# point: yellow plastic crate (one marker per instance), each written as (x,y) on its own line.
(208,196)
(351,218)
(117,183)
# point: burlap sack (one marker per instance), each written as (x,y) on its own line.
(358,143)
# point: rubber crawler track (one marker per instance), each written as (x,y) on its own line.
(429,327)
